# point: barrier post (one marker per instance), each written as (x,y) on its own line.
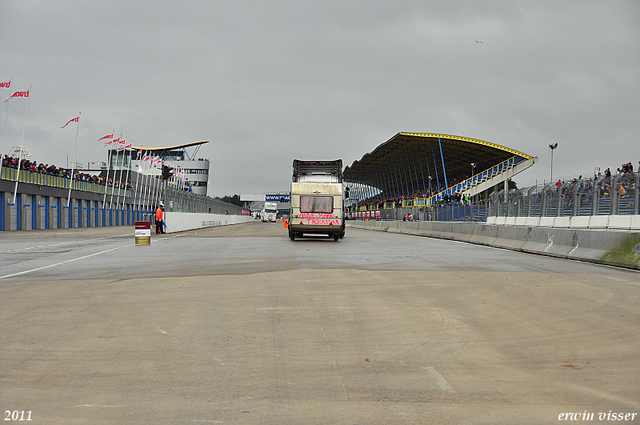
(143,233)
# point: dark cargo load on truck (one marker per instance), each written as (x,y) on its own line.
(320,168)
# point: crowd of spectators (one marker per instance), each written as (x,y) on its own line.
(52,170)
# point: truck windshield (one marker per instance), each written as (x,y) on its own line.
(316,204)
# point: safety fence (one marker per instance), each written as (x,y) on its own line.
(176,200)
(597,202)
(445,212)
(614,195)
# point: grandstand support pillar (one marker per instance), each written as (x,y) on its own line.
(636,195)
(398,183)
(368,187)
(407,176)
(405,182)
(426,159)
(424,187)
(615,195)
(576,198)
(595,196)
(376,179)
(435,167)
(444,169)
(392,193)
(385,186)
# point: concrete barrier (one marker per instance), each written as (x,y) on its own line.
(512,237)
(484,234)
(580,222)
(599,222)
(613,247)
(562,222)
(620,222)
(179,222)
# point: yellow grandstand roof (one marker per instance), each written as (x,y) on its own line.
(168,148)
(412,157)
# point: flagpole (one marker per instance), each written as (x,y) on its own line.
(124,196)
(106,178)
(113,185)
(135,194)
(155,188)
(4,136)
(24,126)
(74,162)
(120,179)
(143,188)
(152,183)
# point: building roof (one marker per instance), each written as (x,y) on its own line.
(409,158)
(168,148)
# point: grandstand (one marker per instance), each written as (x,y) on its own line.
(421,169)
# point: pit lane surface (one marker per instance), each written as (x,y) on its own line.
(240,325)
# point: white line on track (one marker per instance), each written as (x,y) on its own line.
(442,383)
(64,262)
(59,244)
(79,258)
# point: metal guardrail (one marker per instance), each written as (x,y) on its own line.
(598,196)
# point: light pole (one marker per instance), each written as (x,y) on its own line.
(552,147)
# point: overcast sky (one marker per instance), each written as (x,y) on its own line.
(269,81)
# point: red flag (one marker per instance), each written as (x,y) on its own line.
(108,136)
(76,119)
(21,93)
(112,142)
(5,85)
(123,147)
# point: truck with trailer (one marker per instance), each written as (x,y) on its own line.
(317,199)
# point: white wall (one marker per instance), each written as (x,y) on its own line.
(179,222)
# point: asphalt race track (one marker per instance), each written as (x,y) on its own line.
(240,325)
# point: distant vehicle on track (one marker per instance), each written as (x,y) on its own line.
(269,212)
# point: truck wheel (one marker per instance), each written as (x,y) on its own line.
(292,235)
(336,236)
